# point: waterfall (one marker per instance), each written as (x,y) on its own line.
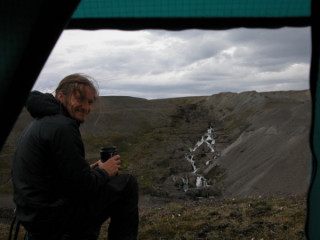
(190,159)
(201,182)
(208,139)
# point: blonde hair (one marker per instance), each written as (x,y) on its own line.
(73,83)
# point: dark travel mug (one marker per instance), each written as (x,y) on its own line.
(107,152)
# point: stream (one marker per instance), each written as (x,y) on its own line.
(207,139)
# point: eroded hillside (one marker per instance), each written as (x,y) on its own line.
(258,143)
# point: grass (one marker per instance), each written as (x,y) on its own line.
(243,218)
(250,218)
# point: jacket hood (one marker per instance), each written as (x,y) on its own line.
(43,104)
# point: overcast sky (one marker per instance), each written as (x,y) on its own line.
(163,64)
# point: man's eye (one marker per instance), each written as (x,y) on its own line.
(84,100)
(81,99)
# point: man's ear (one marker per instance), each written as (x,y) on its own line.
(60,96)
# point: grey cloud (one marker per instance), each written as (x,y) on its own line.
(275,48)
(159,64)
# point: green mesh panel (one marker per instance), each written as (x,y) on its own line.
(192,8)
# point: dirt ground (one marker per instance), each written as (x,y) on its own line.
(6,201)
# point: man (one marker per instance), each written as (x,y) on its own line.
(57,194)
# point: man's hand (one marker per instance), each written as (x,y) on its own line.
(111,166)
(94,165)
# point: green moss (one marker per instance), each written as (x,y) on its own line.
(225,219)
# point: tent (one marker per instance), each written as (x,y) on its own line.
(30,29)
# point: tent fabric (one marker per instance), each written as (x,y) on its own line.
(30,29)
(183,14)
(191,8)
(313,211)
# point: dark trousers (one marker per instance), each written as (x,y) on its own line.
(83,219)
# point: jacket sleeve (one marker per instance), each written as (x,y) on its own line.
(73,172)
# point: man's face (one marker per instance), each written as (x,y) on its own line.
(79,104)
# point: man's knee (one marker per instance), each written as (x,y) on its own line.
(133,182)
(125,184)
(132,188)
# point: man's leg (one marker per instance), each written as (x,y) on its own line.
(119,201)
(83,220)
(125,215)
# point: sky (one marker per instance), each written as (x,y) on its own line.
(155,64)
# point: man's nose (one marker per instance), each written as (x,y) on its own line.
(86,106)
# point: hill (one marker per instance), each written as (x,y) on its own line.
(225,145)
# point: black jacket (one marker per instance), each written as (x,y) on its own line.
(49,167)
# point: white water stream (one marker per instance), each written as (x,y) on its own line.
(201,181)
